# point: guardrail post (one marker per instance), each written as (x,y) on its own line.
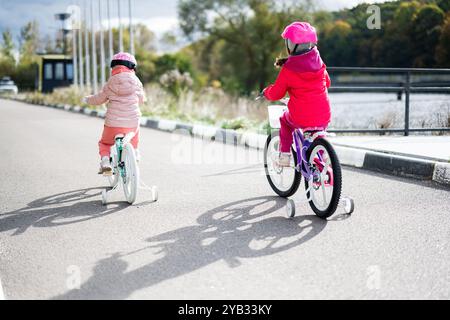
(407,92)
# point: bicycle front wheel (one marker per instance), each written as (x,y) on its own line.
(284,181)
(324,190)
(131,173)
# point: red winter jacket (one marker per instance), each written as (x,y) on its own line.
(306,79)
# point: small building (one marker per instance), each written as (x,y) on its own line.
(55,70)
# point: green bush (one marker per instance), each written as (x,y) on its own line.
(236,124)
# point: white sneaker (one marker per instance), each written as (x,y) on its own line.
(284,159)
(105,167)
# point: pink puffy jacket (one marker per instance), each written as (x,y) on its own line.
(306,79)
(124,93)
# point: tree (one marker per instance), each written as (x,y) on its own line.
(48,44)
(8,46)
(443,48)
(322,20)
(7,60)
(399,43)
(250,31)
(29,44)
(29,41)
(444,5)
(169,62)
(427,31)
(144,38)
(336,45)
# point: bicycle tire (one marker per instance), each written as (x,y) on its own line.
(130,186)
(297,175)
(337,179)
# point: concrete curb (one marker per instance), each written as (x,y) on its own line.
(391,164)
(441,173)
(399,165)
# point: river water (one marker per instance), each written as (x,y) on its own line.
(375,110)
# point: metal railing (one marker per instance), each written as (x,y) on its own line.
(406,86)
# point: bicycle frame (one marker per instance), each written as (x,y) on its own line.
(302,144)
(121,141)
(125,169)
(119,149)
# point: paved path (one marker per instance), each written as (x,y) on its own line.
(217,232)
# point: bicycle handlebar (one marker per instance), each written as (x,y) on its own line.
(262,96)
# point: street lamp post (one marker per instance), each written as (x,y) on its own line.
(102,46)
(74,55)
(131,28)
(110,37)
(86,43)
(94,51)
(80,53)
(63,18)
(120,27)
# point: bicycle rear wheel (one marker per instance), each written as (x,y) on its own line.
(325,191)
(284,181)
(131,176)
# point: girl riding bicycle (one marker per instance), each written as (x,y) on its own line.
(124,93)
(304,76)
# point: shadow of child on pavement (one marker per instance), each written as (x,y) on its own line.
(233,232)
(56,210)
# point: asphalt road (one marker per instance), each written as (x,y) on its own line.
(217,232)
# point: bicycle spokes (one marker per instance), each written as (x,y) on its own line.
(283,180)
(324,169)
(321,188)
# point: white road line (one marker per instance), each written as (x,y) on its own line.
(2,294)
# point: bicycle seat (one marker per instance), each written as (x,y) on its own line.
(119,136)
(313,130)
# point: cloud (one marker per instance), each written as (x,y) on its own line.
(158,25)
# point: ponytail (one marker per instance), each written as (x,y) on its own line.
(279,62)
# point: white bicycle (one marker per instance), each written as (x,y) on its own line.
(125,170)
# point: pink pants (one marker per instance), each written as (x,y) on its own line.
(107,140)
(287,129)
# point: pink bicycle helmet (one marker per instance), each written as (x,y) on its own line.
(299,34)
(124,59)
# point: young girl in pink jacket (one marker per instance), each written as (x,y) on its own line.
(304,76)
(124,93)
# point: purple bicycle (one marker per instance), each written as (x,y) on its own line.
(314,158)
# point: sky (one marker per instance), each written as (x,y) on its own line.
(159,15)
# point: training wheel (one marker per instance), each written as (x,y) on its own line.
(290,209)
(155,193)
(349,205)
(104,197)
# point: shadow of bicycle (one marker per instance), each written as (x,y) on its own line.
(60,209)
(233,233)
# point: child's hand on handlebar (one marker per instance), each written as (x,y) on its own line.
(261,95)
(85,100)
